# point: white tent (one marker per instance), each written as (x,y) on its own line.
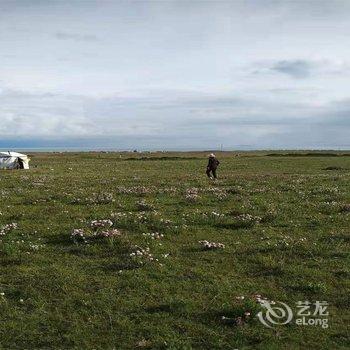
(13,160)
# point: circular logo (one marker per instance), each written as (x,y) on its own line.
(275,314)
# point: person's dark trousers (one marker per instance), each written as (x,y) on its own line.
(213,171)
(208,172)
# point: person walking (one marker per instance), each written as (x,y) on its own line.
(213,164)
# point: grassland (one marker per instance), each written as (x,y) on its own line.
(284,222)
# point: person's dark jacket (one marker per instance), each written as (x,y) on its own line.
(213,163)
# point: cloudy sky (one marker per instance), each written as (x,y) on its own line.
(175,74)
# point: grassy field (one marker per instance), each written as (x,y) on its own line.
(141,279)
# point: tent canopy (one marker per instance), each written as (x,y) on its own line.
(12,154)
(13,160)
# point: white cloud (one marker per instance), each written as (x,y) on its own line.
(77,37)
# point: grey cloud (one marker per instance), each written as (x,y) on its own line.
(294,68)
(301,68)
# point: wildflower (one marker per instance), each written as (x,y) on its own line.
(191,194)
(142,255)
(138,190)
(259,299)
(143,205)
(97,224)
(215,214)
(78,234)
(7,228)
(217,192)
(211,245)
(111,233)
(238,321)
(248,218)
(154,235)
(166,221)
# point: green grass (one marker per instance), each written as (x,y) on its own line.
(63,294)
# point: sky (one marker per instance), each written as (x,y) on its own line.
(175,74)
